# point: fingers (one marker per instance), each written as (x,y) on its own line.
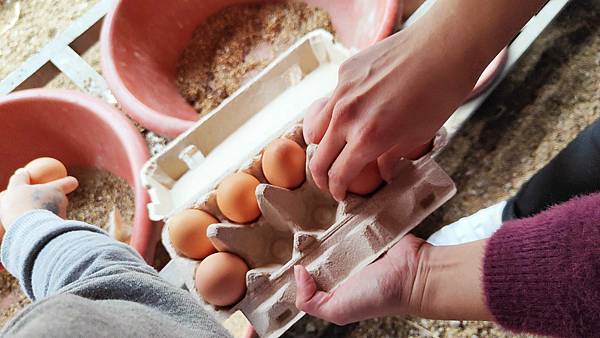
(310,300)
(20,177)
(388,161)
(328,150)
(316,121)
(346,167)
(66,184)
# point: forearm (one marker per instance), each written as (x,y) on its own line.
(465,35)
(538,274)
(47,253)
(474,31)
(450,282)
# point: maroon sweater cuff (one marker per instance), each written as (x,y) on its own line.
(542,274)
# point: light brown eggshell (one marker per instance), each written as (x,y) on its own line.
(45,169)
(283,163)
(236,197)
(187,231)
(367,181)
(221,279)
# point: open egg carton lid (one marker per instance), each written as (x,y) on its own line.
(243,124)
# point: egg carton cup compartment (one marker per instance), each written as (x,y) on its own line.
(306,226)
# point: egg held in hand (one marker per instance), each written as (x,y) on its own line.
(236,197)
(221,279)
(187,231)
(45,169)
(283,163)
(367,181)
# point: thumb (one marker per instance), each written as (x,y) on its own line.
(66,184)
(316,303)
(20,177)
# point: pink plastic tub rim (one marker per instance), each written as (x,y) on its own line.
(177,120)
(144,235)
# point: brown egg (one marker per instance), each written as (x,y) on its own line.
(283,163)
(367,181)
(187,231)
(221,279)
(419,151)
(45,169)
(236,197)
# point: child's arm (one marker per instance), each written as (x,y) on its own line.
(51,256)
(48,254)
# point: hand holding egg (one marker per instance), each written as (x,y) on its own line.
(45,169)
(22,196)
(39,171)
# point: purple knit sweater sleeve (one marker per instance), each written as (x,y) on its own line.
(542,274)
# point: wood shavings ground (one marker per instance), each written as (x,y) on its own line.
(98,193)
(234,44)
(38,24)
(12,299)
(10,11)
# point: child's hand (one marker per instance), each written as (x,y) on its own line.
(21,197)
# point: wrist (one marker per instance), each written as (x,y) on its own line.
(449,283)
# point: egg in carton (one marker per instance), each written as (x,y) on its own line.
(299,226)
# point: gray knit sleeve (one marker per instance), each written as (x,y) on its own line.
(54,257)
(47,253)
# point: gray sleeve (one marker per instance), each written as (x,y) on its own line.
(47,253)
(51,256)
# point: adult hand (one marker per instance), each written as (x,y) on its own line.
(412,278)
(21,197)
(391,98)
(383,288)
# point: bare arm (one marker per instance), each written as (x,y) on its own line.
(392,97)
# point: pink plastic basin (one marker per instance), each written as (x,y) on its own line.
(80,131)
(142,40)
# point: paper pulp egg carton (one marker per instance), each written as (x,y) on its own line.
(301,226)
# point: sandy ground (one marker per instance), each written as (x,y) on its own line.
(552,94)
(38,24)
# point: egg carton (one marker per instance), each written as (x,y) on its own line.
(300,226)
(306,226)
